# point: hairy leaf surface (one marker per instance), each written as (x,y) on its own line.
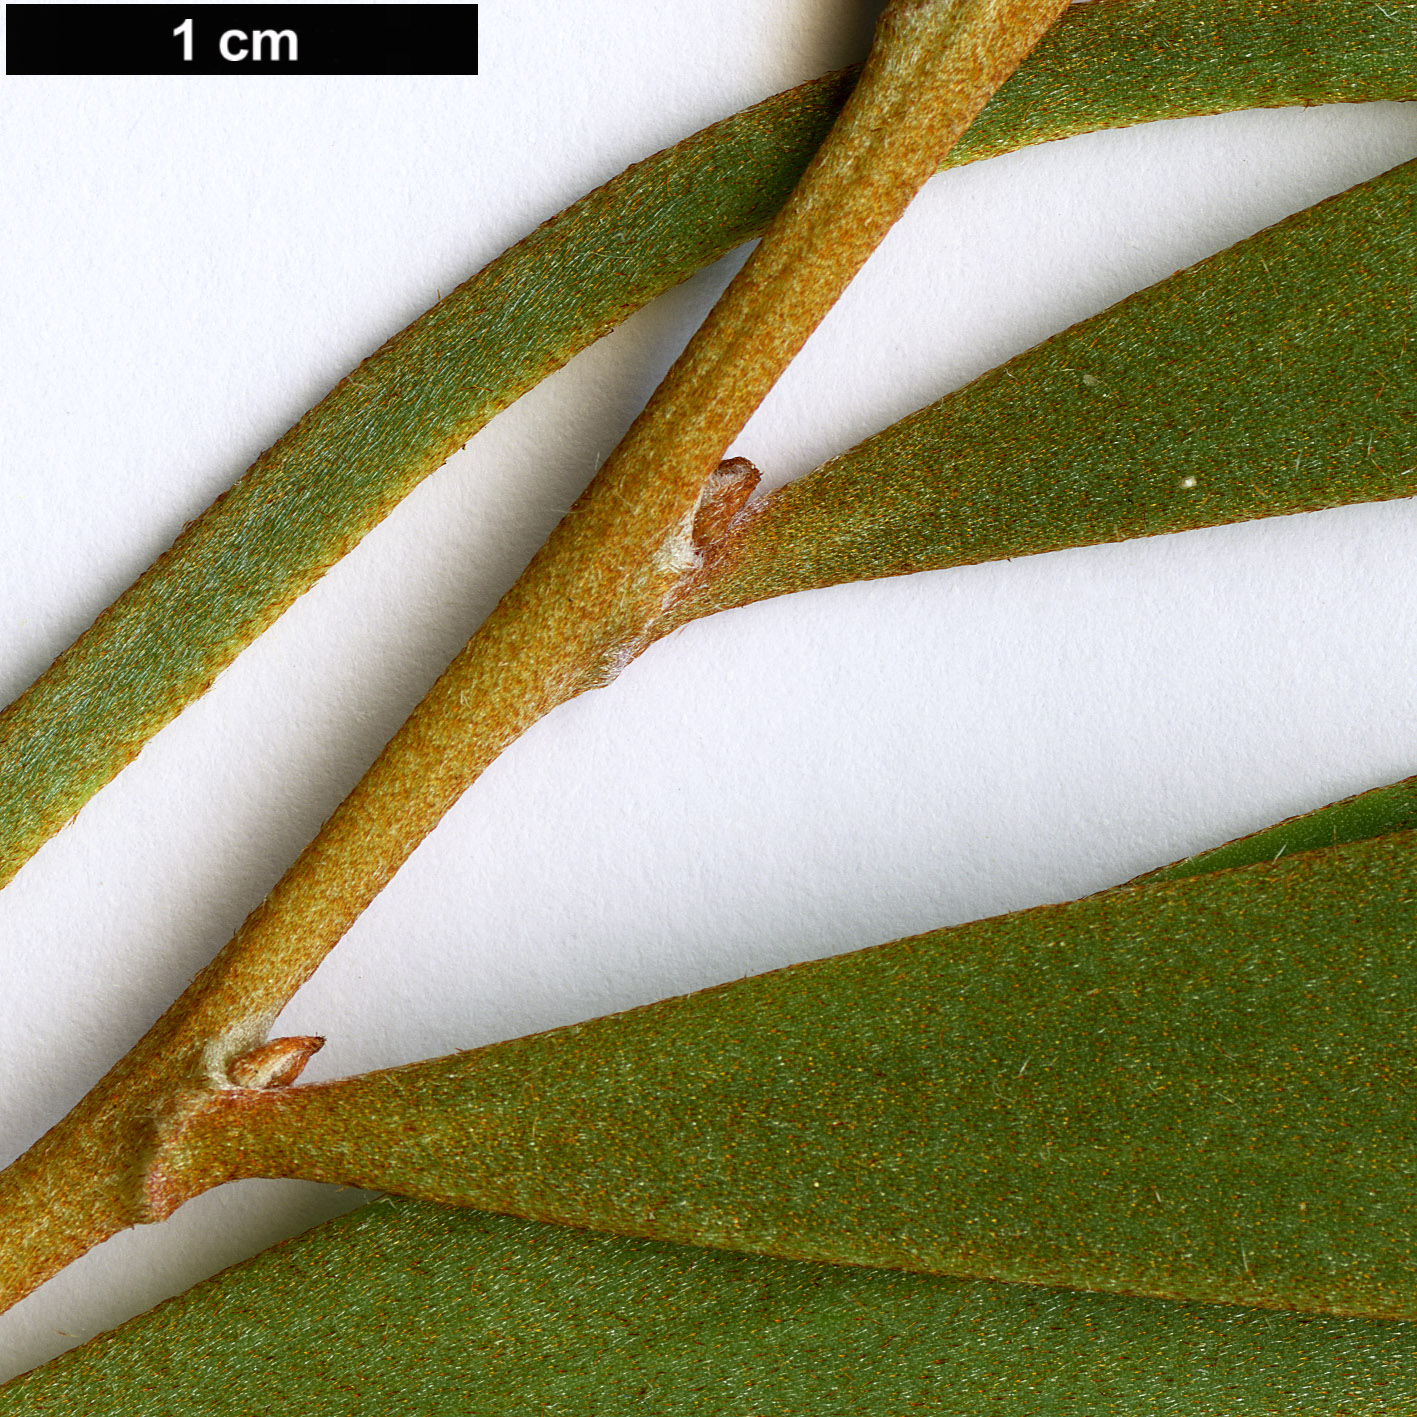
(1196,1089)
(1278,376)
(406,1307)
(311,497)
(1378,812)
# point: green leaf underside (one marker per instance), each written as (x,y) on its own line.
(403,1307)
(1198,1090)
(314,494)
(1277,376)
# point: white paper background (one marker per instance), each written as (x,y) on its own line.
(187,264)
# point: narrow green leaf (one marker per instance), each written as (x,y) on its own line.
(1278,376)
(1197,1089)
(404,1307)
(342,468)
(1378,812)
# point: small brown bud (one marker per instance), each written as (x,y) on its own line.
(724,495)
(274,1064)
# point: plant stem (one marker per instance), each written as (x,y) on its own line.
(87,1178)
(586,603)
(58,1200)
(581,610)
(321,487)
(1012,464)
(1000,1100)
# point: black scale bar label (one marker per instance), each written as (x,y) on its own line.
(241,39)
